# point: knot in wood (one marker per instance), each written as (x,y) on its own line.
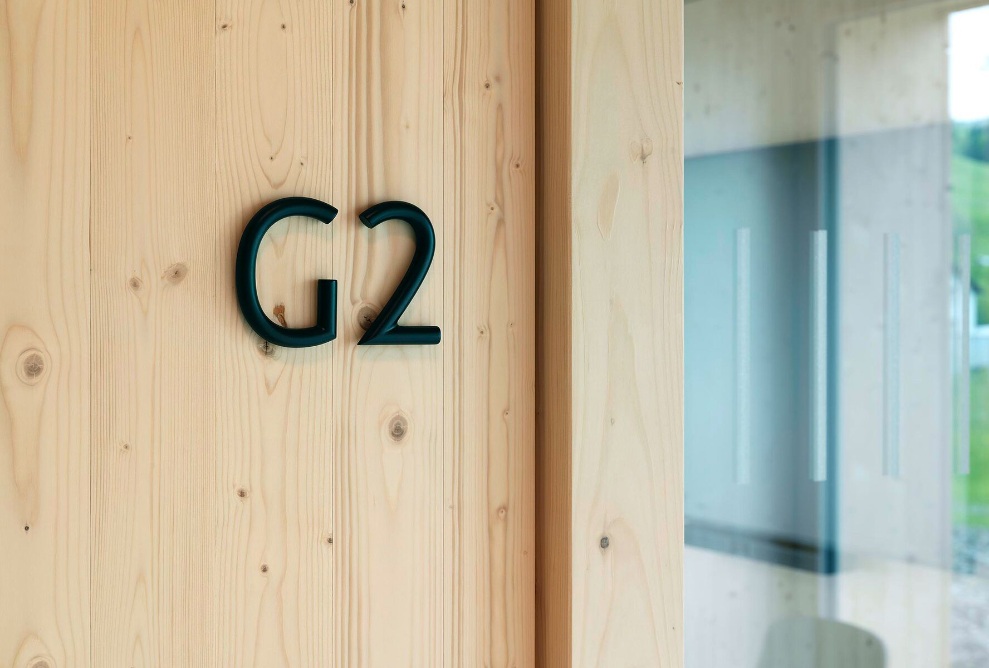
(366,315)
(31,366)
(268,350)
(398,427)
(176,273)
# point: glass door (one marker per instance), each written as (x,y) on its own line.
(837,334)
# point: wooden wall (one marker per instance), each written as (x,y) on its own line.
(175,491)
(610,363)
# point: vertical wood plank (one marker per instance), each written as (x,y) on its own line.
(610,393)
(44,334)
(276,407)
(388,515)
(153,236)
(627,171)
(488,252)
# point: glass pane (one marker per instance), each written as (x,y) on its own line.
(837,334)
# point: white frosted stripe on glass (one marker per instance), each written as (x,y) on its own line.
(743,356)
(964,398)
(819,352)
(891,357)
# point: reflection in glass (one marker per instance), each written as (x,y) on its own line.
(837,333)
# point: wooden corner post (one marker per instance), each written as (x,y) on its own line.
(609,518)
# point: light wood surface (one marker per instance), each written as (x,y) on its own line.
(153,405)
(628,333)
(388,504)
(275,409)
(489,246)
(623,104)
(44,335)
(245,504)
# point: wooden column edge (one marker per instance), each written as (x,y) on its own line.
(554,427)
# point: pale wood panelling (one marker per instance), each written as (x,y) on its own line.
(275,409)
(488,257)
(627,334)
(253,505)
(152,233)
(388,512)
(623,103)
(44,334)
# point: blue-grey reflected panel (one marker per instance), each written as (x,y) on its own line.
(749,352)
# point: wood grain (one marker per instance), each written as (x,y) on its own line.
(44,334)
(388,484)
(614,79)
(244,504)
(153,402)
(628,333)
(276,408)
(488,255)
